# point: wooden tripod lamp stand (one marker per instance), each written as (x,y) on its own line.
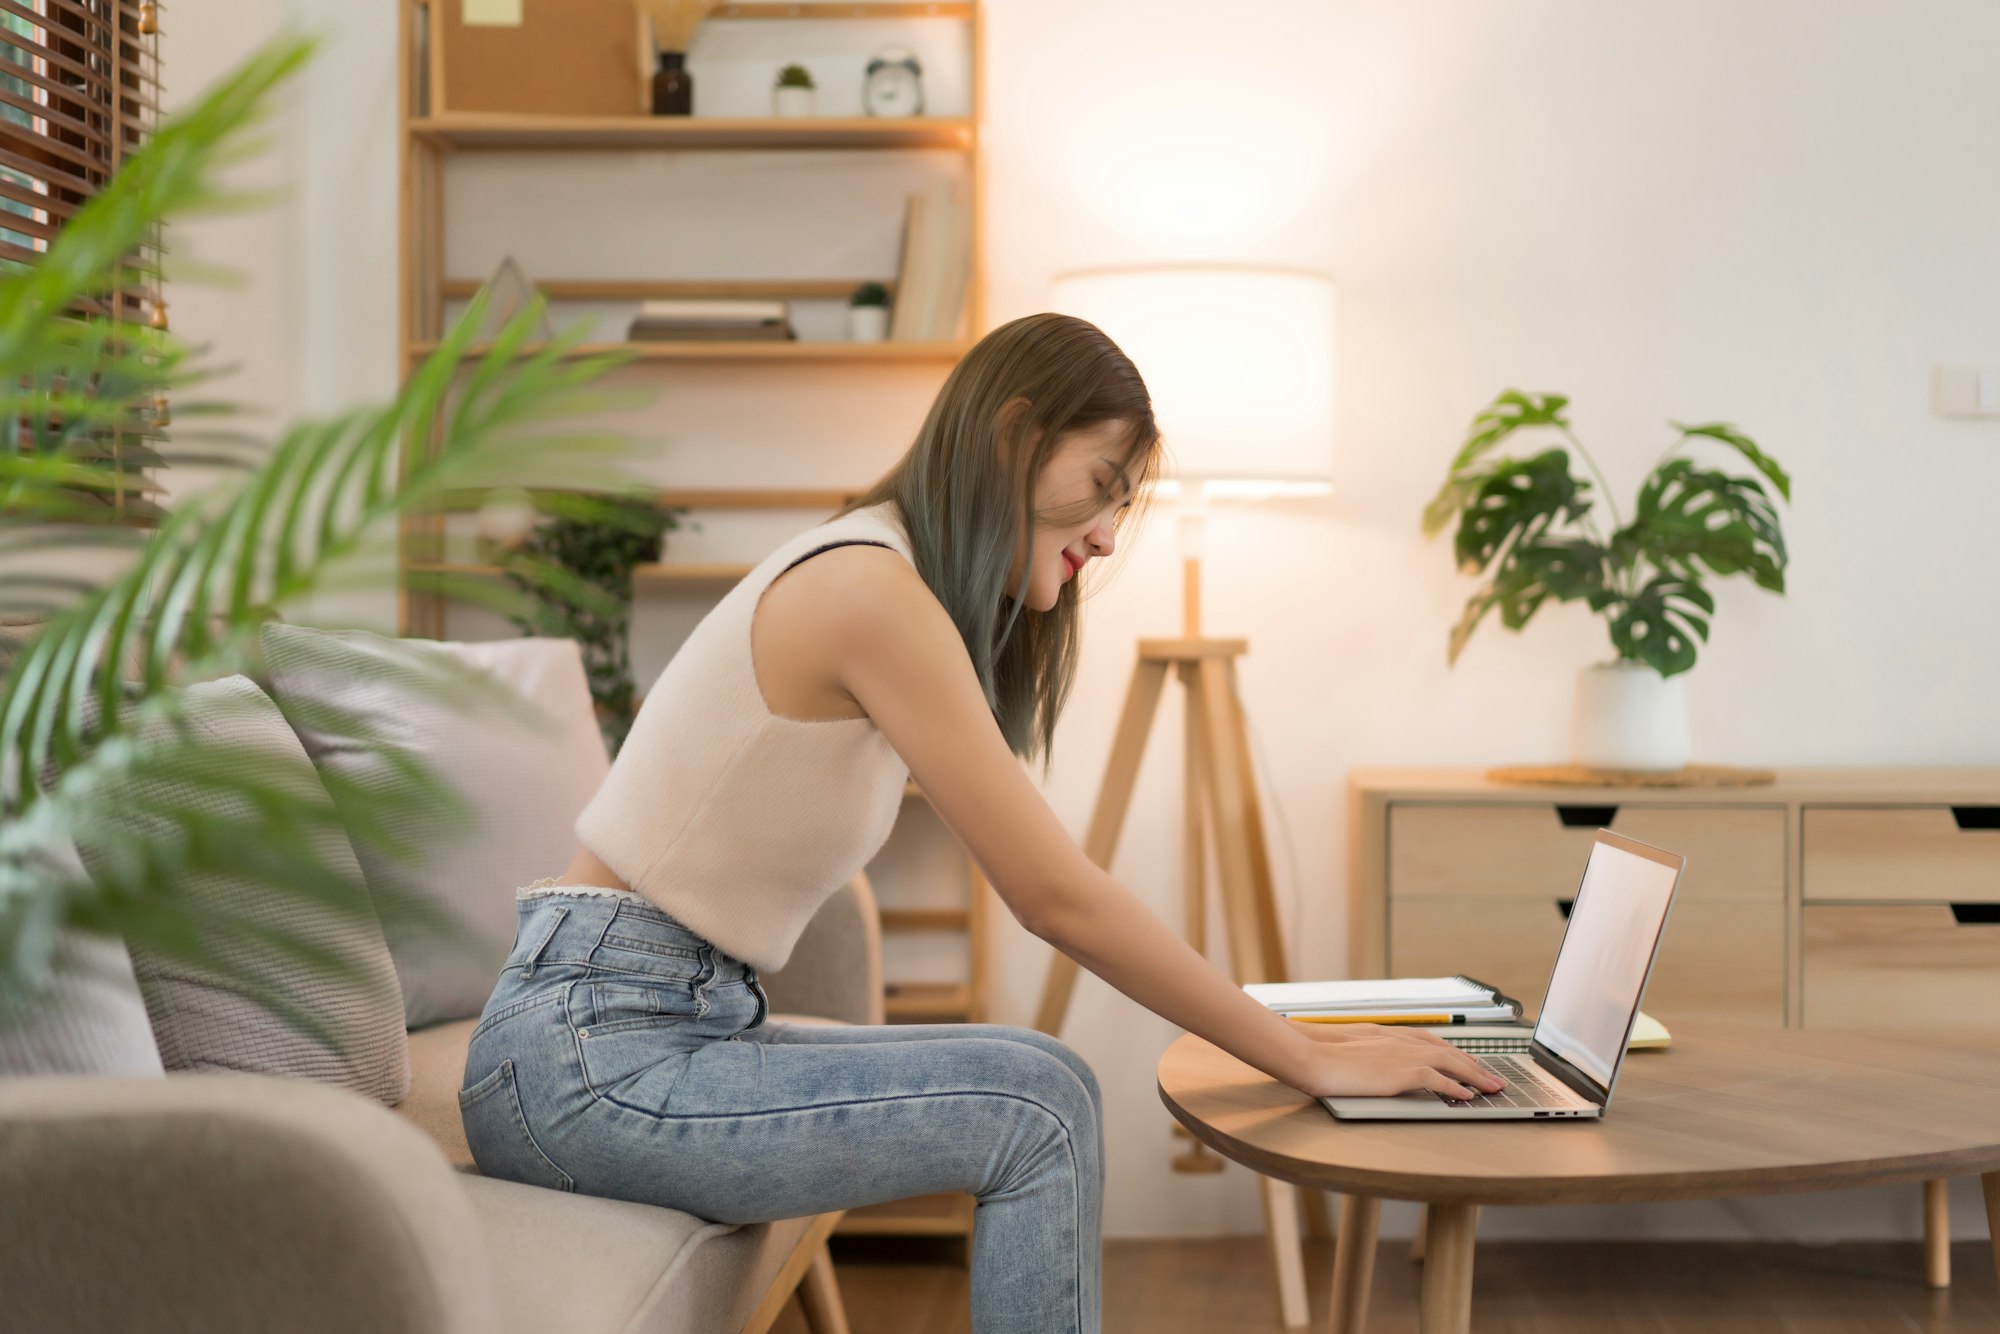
(1240,365)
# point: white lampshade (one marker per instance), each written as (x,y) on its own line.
(1239,361)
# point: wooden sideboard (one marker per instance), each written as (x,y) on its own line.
(1864,899)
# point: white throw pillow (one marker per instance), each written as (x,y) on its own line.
(525,760)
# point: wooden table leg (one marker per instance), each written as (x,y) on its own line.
(1353,1263)
(1990,1183)
(1281,1234)
(1446,1306)
(1417,1238)
(1937,1234)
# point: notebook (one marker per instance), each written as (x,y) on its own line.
(1457,1000)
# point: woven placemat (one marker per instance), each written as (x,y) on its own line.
(1575,775)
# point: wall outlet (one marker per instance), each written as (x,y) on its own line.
(1968,391)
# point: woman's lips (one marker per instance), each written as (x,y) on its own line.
(1072,563)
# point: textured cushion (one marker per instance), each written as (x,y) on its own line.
(592,1266)
(207,1020)
(88,1020)
(524,759)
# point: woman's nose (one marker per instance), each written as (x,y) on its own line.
(1102,538)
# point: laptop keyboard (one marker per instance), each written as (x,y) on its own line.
(1527,1086)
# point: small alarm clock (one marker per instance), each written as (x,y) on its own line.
(894,84)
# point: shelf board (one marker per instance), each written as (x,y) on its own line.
(926,1000)
(877,9)
(503,130)
(925,919)
(666,573)
(946,1215)
(683,289)
(821,352)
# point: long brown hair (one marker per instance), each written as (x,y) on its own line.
(966,494)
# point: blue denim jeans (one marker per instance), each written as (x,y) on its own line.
(623,1055)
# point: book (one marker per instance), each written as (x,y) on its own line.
(934,267)
(1648,1034)
(668,333)
(686,308)
(1396,995)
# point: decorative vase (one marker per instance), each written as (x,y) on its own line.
(673,86)
(1628,716)
(867,324)
(791,101)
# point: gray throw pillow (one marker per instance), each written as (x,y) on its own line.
(516,737)
(88,1019)
(216,1019)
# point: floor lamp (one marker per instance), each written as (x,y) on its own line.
(1239,361)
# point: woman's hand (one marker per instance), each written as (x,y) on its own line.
(1348,1032)
(1392,1063)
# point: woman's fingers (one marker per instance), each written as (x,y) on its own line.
(1467,1069)
(1437,1081)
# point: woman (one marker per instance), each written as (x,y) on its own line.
(933,625)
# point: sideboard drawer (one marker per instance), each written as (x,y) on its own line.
(1721,959)
(1528,850)
(1930,853)
(1902,968)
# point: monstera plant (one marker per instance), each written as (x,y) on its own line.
(1533,530)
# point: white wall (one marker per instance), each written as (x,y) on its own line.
(1781,215)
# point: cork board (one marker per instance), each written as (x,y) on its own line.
(564,58)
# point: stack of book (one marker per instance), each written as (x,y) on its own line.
(1463,1011)
(935,269)
(1400,1000)
(687,321)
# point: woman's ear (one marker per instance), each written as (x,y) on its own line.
(1007,430)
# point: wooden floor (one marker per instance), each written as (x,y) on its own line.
(1178,1287)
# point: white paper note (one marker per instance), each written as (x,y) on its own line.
(493,13)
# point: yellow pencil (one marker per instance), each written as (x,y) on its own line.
(1370,1018)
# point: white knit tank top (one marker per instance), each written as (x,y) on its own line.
(737,822)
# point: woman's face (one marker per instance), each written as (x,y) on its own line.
(1083,477)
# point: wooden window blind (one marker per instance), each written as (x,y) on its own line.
(79,92)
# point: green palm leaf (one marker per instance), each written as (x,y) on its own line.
(89,706)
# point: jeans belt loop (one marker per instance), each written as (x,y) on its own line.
(535,956)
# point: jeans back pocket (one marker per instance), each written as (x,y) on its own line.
(498,1134)
(642,1004)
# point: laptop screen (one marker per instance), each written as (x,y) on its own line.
(1614,928)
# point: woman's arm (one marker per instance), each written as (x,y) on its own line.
(895,652)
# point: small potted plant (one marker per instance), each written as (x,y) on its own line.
(1530,529)
(868,313)
(793,93)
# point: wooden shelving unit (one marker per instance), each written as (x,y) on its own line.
(430,137)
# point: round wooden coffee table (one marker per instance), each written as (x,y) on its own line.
(1726,1111)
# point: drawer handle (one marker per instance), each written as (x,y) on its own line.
(1976,914)
(1976,817)
(1564,906)
(1591,817)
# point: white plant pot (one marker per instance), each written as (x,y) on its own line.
(792,101)
(1629,717)
(867,324)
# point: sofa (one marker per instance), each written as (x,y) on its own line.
(206,1198)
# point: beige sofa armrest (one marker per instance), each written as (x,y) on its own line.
(835,972)
(227,1203)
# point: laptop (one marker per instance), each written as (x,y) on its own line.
(1571,1065)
